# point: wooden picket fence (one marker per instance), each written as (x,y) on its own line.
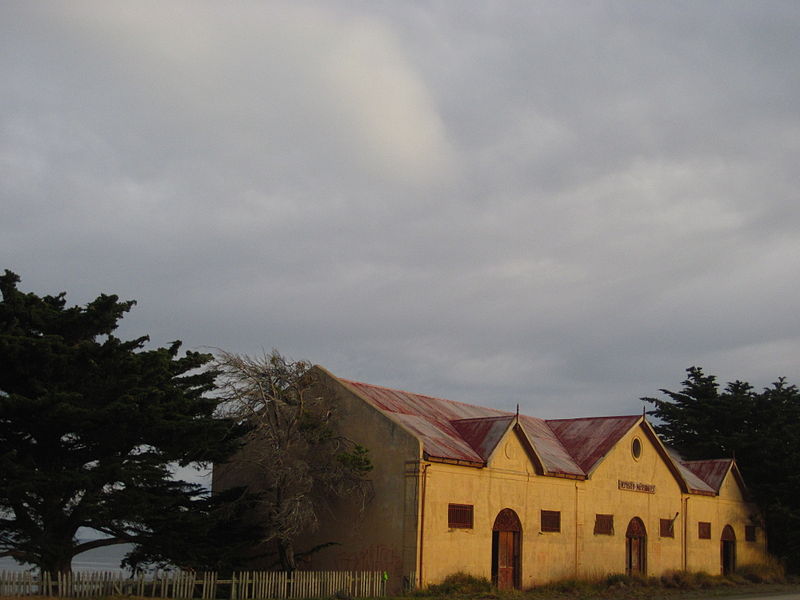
(244,585)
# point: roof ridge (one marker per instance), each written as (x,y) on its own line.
(383,387)
(495,417)
(594,418)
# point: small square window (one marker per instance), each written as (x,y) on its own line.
(604,524)
(667,528)
(750,533)
(459,516)
(704,530)
(551,520)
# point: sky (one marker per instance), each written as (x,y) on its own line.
(561,205)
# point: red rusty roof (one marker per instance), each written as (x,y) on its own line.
(429,419)
(483,433)
(712,472)
(455,431)
(589,439)
(555,457)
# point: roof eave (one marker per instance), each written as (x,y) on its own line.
(453,461)
(353,390)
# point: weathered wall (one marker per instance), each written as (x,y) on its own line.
(405,528)
(510,481)
(602,554)
(729,508)
(383,536)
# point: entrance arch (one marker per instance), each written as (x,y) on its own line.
(636,548)
(506,550)
(728,550)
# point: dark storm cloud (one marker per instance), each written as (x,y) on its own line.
(562,205)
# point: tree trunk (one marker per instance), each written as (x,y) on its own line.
(58,562)
(286,555)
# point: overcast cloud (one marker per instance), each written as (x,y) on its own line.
(556,204)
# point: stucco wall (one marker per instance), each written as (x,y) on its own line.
(384,536)
(509,481)
(729,508)
(405,531)
(603,554)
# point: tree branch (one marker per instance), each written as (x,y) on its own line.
(91,545)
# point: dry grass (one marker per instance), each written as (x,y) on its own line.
(749,579)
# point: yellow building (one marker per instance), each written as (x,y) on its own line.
(525,500)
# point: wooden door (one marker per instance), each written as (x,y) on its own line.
(506,550)
(635,556)
(728,550)
(506,560)
(636,548)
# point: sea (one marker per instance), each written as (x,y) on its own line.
(99,559)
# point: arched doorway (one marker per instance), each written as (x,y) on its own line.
(728,550)
(506,550)
(636,548)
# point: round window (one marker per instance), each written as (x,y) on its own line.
(510,451)
(636,448)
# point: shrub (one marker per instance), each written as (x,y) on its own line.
(460,583)
(769,572)
(676,580)
(623,580)
(572,586)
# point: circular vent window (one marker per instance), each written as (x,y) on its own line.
(636,448)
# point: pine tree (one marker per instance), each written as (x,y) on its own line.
(91,427)
(760,429)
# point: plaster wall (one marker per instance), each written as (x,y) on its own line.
(382,537)
(602,554)
(404,530)
(729,508)
(510,481)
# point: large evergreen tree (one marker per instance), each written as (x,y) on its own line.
(91,427)
(760,429)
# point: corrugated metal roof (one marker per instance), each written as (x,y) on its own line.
(483,433)
(463,432)
(430,419)
(711,472)
(554,456)
(589,439)
(455,431)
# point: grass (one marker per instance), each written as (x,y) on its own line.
(748,579)
(675,585)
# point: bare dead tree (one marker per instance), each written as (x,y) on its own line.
(293,460)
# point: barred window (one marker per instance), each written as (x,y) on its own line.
(667,529)
(704,530)
(459,516)
(551,520)
(750,533)
(604,525)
